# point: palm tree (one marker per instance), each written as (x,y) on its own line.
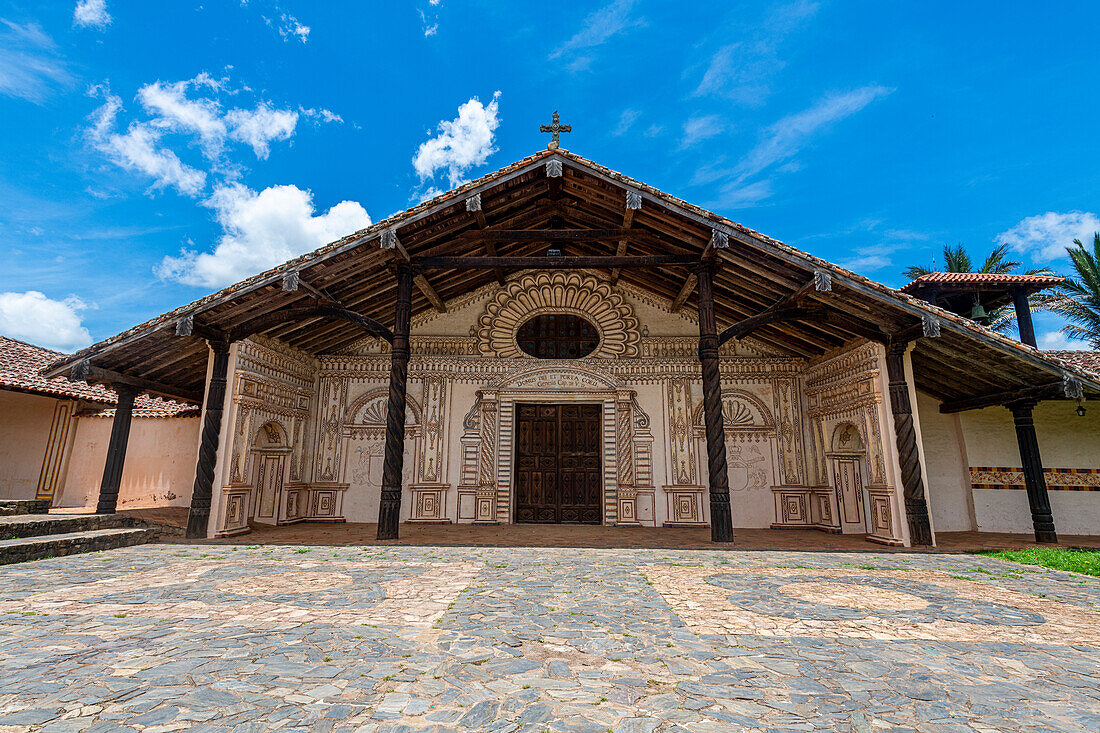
(957,259)
(1078,298)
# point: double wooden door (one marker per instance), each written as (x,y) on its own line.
(558,464)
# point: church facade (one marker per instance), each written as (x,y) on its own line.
(496,435)
(557,343)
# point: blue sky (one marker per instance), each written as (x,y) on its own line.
(154,152)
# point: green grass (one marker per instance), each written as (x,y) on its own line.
(1086,562)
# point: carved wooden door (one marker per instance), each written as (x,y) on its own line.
(558,464)
(270,486)
(849,494)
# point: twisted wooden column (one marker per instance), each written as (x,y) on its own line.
(721,520)
(389,510)
(1037,497)
(198,518)
(116,450)
(916,508)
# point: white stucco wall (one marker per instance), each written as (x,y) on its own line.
(946,472)
(1065,441)
(25,421)
(159,468)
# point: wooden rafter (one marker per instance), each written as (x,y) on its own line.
(1053,390)
(93,374)
(319,310)
(546,235)
(473,205)
(553,263)
(685,292)
(633,203)
(784,309)
(750,324)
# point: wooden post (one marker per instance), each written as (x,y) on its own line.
(116,449)
(1023,317)
(721,520)
(198,518)
(389,510)
(1037,497)
(916,508)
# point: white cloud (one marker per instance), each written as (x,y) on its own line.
(700,128)
(290,28)
(462,143)
(626,121)
(1044,237)
(261,230)
(743,71)
(54,324)
(786,138)
(737,196)
(30,66)
(144,146)
(138,149)
(600,26)
(258,127)
(320,115)
(1058,341)
(91,14)
(429,18)
(174,111)
(261,126)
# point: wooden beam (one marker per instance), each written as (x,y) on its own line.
(1053,390)
(546,235)
(596,262)
(426,288)
(685,293)
(633,203)
(746,326)
(86,372)
(473,205)
(315,311)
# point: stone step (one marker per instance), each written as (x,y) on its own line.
(71,543)
(37,525)
(13,507)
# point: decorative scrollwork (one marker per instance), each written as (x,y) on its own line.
(558,292)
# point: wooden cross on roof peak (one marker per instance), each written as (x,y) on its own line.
(554,129)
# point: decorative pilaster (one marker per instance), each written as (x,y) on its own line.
(916,508)
(389,511)
(486,499)
(116,450)
(721,520)
(626,494)
(1037,497)
(199,516)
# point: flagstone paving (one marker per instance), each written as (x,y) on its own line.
(212,638)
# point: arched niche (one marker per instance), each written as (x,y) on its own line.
(847,439)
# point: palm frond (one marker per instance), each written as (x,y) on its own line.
(914,271)
(998,262)
(957,259)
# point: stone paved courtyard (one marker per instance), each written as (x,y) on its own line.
(328,638)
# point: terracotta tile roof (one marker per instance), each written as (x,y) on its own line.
(981,278)
(1088,361)
(21,362)
(738,231)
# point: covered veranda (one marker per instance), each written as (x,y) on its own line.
(556,211)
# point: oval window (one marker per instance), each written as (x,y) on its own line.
(558,336)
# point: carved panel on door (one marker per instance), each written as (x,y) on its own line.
(849,488)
